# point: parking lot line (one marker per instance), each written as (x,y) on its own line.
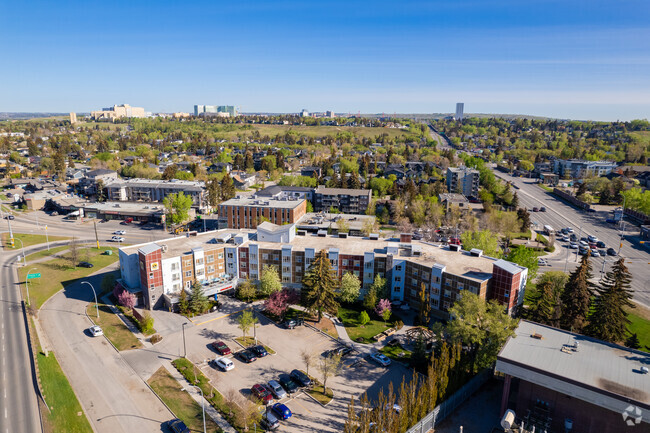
(217,318)
(296,400)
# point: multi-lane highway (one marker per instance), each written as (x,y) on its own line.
(18,402)
(560,215)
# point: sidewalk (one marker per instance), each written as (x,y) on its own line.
(196,395)
(134,329)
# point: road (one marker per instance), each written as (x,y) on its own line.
(18,402)
(560,215)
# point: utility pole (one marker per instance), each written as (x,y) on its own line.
(11,233)
(96,237)
(47,239)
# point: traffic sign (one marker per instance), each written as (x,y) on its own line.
(30,276)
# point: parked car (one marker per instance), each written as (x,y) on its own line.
(221,347)
(282,411)
(592,238)
(301,378)
(276,389)
(342,351)
(10,217)
(603,253)
(269,421)
(262,393)
(288,384)
(535,209)
(95,331)
(584,244)
(224,363)
(601,244)
(611,221)
(573,246)
(380,358)
(564,231)
(117,239)
(569,229)
(564,238)
(85,265)
(247,356)
(259,351)
(542,209)
(573,237)
(542,262)
(178,426)
(55,213)
(595,253)
(119,232)
(611,251)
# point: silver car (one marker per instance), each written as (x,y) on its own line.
(277,390)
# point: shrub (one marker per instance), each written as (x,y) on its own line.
(155,338)
(146,323)
(398,324)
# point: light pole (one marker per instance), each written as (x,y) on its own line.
(202,403)
(47,239)
(27,285)
(22,247)
(579,234)
(184,347)
(94,293)
(602,270)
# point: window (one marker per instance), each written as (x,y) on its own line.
(445,305)
(333,262)
(210,269)
(434,302)
(369,265)
(253,257)
(398,279)
(199,262)
(286,279)
(398,267)
(286,269)
(220,256)
(357,263)
(344,262)
(176,277)
(460,286)
(298,278)
(151,275)
(188,262)
(230,256)
(286,259)
(276,256)
(242,254)
(199,272)
(176,287)
(188,284)
(244,274)
(174,266)
(210,259)
(265,256)
(436,279)
(415,272)
(188,273)
(356,273)
(397,289)
(414,281)
(298,259)
(435,290)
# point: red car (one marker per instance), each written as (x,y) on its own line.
(221,347)
(261,392)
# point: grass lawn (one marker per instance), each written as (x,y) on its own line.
(66,414)
(350,319)
(313,131)
(29,239)
(317,392)
(57,273)
(250,341)
(545,188)
(640,318)
(180,402)
(45,253)
(397,353)
(113,327)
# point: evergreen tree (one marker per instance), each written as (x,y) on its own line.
(633,342)
(227,188)
(319,286)
(425,307)
(370,299)
(515,200)
(183,303)
(198,301)
(214,191)
(609,320)
(543,304)
(576,298)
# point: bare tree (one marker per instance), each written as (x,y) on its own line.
(307,358)
(329,367)
(74,252)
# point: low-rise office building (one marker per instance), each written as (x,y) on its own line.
(220,258)
(578,168)
(343,199)
(557,381)
(248,212)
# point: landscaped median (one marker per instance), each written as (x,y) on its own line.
(114,329)
(28,240)
(318,393)
(180,402)
(350,317)
(246,342)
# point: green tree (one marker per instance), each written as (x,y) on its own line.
(183,303)
(319,286)
(199,303)
(543,304)
(270,280)
(633,342)
(177,207)
(484,240)
(380,287)
(245,321)
(228,190)
(577,297)
(350,287)
(484,326)
(246,290)
(342,225)
(370,298)
(609,321)
(424,313)
(526,257)
(364,318)
(213,188)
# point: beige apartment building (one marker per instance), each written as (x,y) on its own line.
(117,112)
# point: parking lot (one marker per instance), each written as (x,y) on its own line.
(308,415)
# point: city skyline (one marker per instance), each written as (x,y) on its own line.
(583,60)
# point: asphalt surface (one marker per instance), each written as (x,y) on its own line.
(560,215)
(18,394)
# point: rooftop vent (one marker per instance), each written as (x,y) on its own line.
(164,248)
(536,336)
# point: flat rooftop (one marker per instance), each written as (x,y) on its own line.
(604,371)
(313,220)
(263,202)
(151,183)
(126,206)
(341,191)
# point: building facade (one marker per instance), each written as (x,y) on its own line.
(242,254)
(118,112)
(463,180)
(148,190)
(203,110)
(578,168)
(249,212)
(460,107)
(345,200)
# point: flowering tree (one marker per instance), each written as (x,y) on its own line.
(126,299)
(383,309)
(278,302)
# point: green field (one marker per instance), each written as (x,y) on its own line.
(57,273)
(113,327)
(180,402)
(312,131)
(643,136)
(350,319)
(29,240)
(641,326)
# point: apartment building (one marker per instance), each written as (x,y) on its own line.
(117,112)
(242,254)
(345,200)
(215,110)
(578,168)
(247,212)
(463,180)
(148,190)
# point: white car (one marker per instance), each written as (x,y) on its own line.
(573,246)
(224,363)
(542,262)
(117,239)
(380,358)
(95,331)
(119,232)
(569,229)
(595,253)
(276,389)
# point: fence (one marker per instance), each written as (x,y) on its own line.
(571,199)
(445,408)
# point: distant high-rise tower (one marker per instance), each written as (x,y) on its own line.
(459,111)
(73,118)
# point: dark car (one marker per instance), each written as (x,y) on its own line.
(600,244)
(535,209)
(611,251)
(259,351)
(178,426)
(301,378)
(85,265)
(342,351)
(289,324)
(282,411)
(9,217)
(573,237)
(542,209)
(287,383)
(247,356)
(610,221)
(262,392)
(221,347)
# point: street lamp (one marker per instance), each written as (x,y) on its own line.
(27,285)
(22,246)
(202,403)
(602,270)
(184,347)
(94,293)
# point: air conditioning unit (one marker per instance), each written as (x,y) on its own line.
(164,248)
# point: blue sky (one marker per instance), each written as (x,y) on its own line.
(568,59)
